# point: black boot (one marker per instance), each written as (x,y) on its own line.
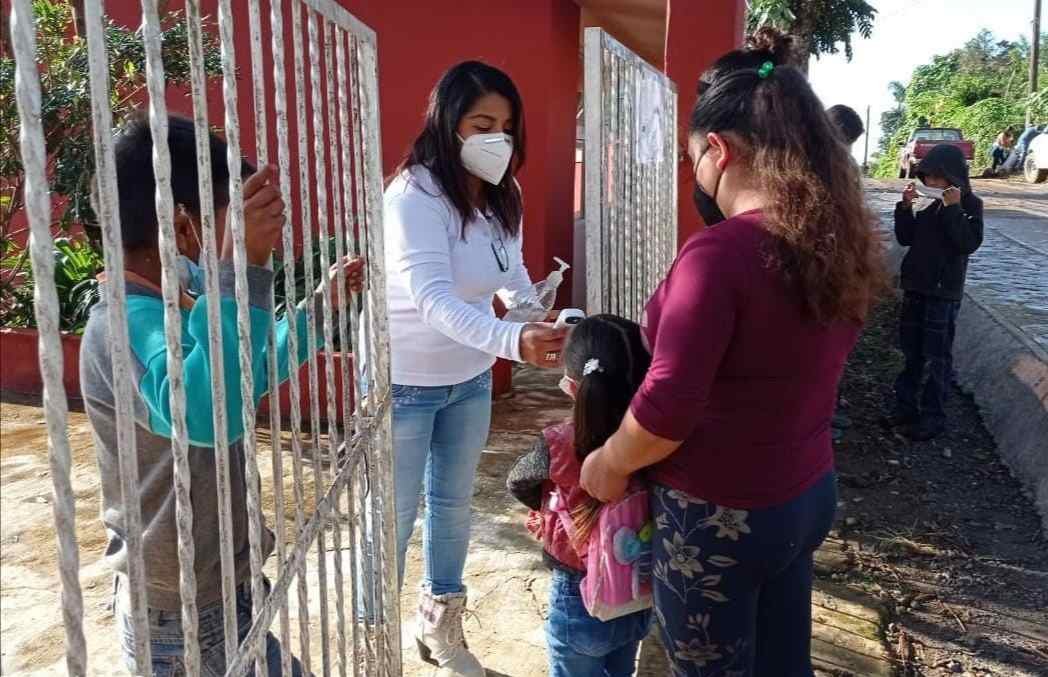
(925,430)
(900,419)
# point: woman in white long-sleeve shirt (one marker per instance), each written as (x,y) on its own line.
(452,216)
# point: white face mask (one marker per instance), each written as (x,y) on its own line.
(487,156)
(929,192)
(568,386)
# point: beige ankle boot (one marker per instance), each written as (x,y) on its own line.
(439,635)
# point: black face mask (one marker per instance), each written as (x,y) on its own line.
(705,203)
(707,206)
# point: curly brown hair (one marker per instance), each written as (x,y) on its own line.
(825,236)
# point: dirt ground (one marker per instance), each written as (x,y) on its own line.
(939,531)
(507,581)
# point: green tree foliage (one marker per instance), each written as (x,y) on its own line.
(66,118)
(817,26)
(980,88)
(892,119)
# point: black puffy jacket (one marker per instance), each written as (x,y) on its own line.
(940,237)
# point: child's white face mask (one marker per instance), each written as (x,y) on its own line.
(929,192)
(569,386)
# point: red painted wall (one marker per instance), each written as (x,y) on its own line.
(537,44)
(20,364)
(697,33)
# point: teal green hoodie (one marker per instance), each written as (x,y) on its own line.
(152,409)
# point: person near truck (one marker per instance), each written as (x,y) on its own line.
(1015,161)
(941,237)
(1002,147)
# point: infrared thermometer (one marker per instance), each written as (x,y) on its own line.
(569,317)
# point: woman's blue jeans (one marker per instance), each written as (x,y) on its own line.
(439,434)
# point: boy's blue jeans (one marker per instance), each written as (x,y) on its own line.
(583,646)
(438,436)
(168,646)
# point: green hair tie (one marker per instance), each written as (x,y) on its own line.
(765,70)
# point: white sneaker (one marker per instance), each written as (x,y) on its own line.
(439,635)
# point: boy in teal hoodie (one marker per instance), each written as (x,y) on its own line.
(263,220)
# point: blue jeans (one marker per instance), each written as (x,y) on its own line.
(438,436)
(927,325)
(583,646)
(733,587)
(168,647)
(998,154)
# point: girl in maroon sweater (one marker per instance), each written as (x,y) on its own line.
(749,335)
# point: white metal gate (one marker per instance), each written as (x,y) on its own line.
(630,161)
(347,462)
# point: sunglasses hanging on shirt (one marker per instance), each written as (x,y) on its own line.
(498,248)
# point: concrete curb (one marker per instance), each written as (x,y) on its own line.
(1007,374)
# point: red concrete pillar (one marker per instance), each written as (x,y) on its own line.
(697,32)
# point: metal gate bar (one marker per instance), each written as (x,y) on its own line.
(630,163)
(346,204)
(45,298)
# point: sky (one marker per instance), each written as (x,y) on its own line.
(906,34)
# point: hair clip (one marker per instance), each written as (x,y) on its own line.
(592,366)
(765,70)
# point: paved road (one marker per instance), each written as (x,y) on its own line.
(1009,273)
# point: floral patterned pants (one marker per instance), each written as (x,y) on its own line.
(733,587)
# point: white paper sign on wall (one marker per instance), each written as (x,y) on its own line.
(649,107)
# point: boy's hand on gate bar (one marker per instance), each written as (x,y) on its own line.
(354,267)
(263,215)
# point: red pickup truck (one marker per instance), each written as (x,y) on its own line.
(923,140)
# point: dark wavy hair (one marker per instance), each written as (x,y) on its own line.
(437,147)
(825,240)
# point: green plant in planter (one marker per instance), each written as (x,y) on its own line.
(66,118)
(77,264)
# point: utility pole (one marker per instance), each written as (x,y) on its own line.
(866,150)
(1035,56)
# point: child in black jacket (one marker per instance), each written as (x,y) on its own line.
(940,237)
